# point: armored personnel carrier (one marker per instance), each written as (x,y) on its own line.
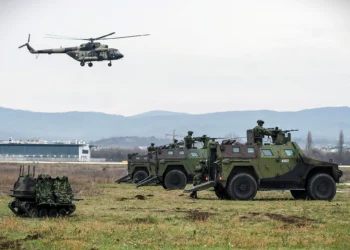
(138,168)
(240,170)
(42,196)
(173,167)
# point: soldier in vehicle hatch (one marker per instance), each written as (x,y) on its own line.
(260,132)
(189,140)
(151,148)
(197,177)
(174,144)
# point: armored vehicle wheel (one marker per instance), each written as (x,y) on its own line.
(140,175)
(299,194)
(53,213)
(221,192)
(321,187)
(33,212)
(71,208)
(62,212)
(175,179)
(43,213)
(242,187)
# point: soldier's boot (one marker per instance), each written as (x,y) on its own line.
(193,195)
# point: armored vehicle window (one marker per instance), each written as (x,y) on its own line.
(235,150)
(194,154)
(267,152)
(250,150)
(181,152)
(170,152)
(137,158)
(85,151)
(289,152)
(145,158)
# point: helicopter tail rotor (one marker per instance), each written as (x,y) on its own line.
(31,50)
(25,43)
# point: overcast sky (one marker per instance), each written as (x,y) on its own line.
(202,56)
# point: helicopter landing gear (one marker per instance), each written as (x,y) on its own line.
(109,64)
(82,64)
(90,64)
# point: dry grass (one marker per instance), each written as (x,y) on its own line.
(82,177)
(123,217)
(346,175)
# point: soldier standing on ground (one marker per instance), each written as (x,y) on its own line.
(189,140)
(260,132)
(197,177)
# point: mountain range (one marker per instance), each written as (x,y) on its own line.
(324,123)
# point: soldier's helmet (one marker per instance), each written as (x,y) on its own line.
(152,144)
(175,140)
(190,132)
(260,122)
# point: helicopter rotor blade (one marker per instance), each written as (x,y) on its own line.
(120,37)
(100,38)
(51,36)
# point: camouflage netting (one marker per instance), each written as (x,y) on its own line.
(62,190)
(51,191)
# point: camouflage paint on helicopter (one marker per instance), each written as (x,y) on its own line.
(86,52)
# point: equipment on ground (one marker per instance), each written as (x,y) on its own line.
(43,196)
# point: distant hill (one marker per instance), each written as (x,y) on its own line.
(324,123)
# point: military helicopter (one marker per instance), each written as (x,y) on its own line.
(86,52)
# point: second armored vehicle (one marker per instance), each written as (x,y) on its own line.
(138,168)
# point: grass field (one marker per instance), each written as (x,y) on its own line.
(115,216)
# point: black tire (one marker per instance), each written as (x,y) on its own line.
(90,64)
(42,213)
(82,64)
(71,209)
(175,179)
(221,192)
(242,187)
(33,212)
(53,213)
(321,187)
(299,194)
(62,212)
(139,176)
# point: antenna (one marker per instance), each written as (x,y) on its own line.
(174,134)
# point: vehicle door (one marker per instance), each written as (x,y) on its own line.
(269,165)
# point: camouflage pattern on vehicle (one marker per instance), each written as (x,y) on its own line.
(42,196)
(243,169)
(173,167)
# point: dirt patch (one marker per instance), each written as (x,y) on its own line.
(290,219)
(33,237)
(17,244)
(123,199)
(195,215)
(150,195)
(286,219)
(140,197)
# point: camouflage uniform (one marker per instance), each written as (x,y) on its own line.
(62,190)
(189,140)
(260,132)
(151,148)
(197,177)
